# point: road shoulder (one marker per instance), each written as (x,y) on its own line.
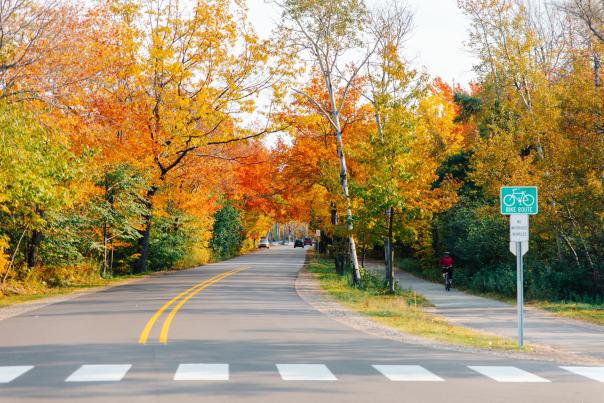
(309,289)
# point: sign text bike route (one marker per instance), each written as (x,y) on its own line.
(519,200)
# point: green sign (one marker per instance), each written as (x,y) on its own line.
(519,200)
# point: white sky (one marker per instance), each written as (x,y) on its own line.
(436,43)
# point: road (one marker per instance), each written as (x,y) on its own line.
(241,333)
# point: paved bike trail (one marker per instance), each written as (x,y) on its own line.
(500,318)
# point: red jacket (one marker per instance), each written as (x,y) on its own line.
(446,261)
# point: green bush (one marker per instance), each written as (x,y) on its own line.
(542,281)
(371,282)
(168,243)
(227,233)
(500,279)
(474,240)
(478,241)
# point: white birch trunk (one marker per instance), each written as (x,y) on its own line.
(344,180)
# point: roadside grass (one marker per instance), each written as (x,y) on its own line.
(592,313)
(40,292)
(403,311)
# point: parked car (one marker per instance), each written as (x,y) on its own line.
(298,243)
(264,243)
(307,241)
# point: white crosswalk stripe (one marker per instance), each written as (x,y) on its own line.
(595,373)
(411,373)
(10,373)
(305,372)
(99,373)
(507,374)
(202,372)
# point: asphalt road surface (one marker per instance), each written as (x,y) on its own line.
(237,331)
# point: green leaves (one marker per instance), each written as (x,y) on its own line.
(36,168)
(227,234)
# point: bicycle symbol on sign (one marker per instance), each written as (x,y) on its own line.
(520,198)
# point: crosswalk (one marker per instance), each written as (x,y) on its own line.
(8,374)
(308,372)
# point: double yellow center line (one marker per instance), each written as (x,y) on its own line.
(182,298)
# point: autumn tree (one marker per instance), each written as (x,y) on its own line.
(534,72)
(30,30)
(36,182)
(590,13)
(330,32)
(192,74)
(391,89)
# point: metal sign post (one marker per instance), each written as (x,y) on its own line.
(520,293)
(519,233)
(518,202)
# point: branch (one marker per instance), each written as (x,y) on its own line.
(234,159)
(353,76)
(251,136)
(317,105)
(182,153)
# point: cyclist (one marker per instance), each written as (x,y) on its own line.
(446,264)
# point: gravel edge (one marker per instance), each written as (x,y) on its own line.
(23,307)
(20,308)
(309,289)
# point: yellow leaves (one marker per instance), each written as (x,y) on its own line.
(438,130)
(595,184)
(4,257)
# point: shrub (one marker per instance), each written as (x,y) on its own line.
(227,233)
(168,243)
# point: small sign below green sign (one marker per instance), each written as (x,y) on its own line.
(519,200)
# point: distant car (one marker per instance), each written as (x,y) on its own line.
(264,243)
(307,241)
(299,243)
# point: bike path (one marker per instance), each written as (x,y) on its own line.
(500,318)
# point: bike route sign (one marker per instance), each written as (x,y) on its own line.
(519,200)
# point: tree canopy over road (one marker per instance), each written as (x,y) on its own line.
(132,138)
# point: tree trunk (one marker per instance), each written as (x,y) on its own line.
(597,70)
(143,245)
(390,253)
(12,259)
(558,246)
(344,182)
(378,123)
(143,242)
(32,250)
(571,248)
(363,253)
(105,250)
(387,245)
(34,244)
(111,259)
(386,257)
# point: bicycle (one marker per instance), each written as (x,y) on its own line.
(448,277)
(520,197)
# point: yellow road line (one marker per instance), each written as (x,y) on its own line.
(144,336)
(163,336)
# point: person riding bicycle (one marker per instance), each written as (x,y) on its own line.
(446,264)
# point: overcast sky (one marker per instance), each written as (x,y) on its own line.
(436,44)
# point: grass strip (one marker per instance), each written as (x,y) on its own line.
(403,311)
(591,313)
